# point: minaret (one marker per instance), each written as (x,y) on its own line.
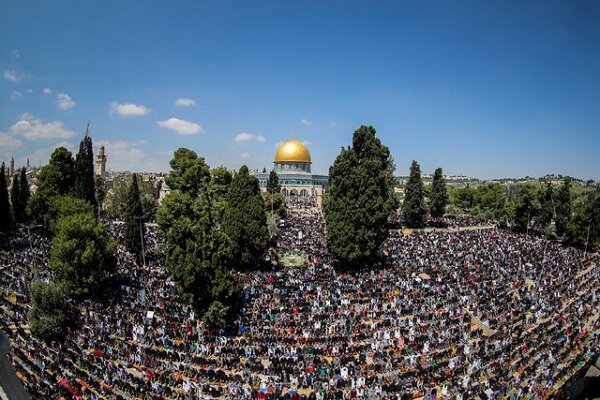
(11,172)
(101,162)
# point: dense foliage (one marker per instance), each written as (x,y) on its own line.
(84,186)
(134,220)
(49,315)
(359,200)
(438,199)
(273,185)
(201,247)
(5,213)
(189,173)
(114,196)
(244,221)
(414,211)
(82,255)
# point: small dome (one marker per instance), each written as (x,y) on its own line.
(292,151)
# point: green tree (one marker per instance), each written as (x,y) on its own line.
(585,225)
(439,195)
(117,191)
(24,193)
(5,213)
(84,186)
(221,178)
(463,198)
(55,179)
(526,208)
(59,174)
(359,200)
(64,206)
(189,173)
(50,311)
(244,220)
(194,246)
(273,185)
(82,254)
(198,252)
(15,199)
(546,205)
(216,315)
(414,211)
(488,201)
(274,203)
(134,220)
(563,207)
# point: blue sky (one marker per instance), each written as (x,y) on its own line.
(487,89)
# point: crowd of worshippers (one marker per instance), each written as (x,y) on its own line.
(462,315)
(463,221)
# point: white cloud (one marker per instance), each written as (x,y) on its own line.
(128,109)
(245,155)
(16,95)
(65,102)
(12,76)
(181,126)
(7,145)
(16,53)
(246,137)
(47,90)
(307,142)
(32,128)
(306,122)
(184,102)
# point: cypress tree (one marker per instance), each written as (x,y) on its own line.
(84,186)
(244,220)
(134,222)
(15,200)
(5,214)
(439,195)
(359,200)
(273,185)
(414,211)
(24,193)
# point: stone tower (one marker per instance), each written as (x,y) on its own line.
(101,162)
(11,172)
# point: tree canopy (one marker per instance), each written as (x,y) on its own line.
(273,185)
(55,179)
(439,195)
(82,254)
(198,252)
(134,220)
(5,212)
(359,200)
(50,311)
(84,186)
(189,173)
(414,211)
(244,221)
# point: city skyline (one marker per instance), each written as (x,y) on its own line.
(483,90)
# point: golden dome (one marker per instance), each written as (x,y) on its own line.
(292,151)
